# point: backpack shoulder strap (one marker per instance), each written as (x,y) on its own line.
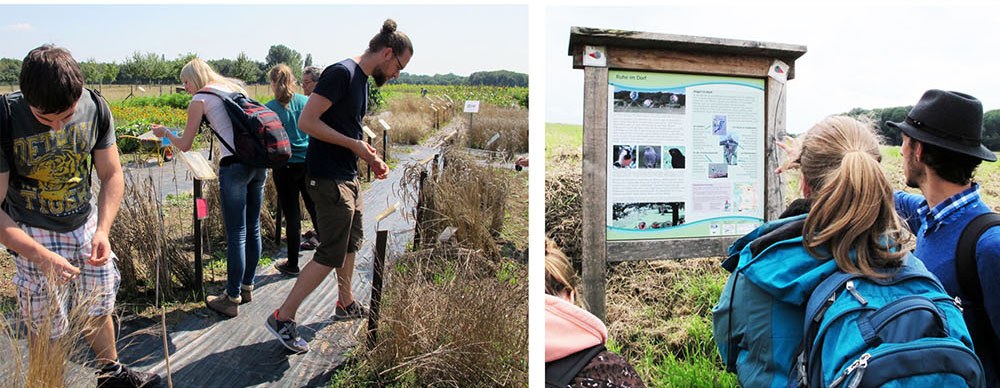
(560,373)
(7,132)
(966,267)
(103,115)
(103,123)
(204,117)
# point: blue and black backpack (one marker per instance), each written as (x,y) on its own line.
(901,331)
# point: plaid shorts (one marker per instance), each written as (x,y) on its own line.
(48,303)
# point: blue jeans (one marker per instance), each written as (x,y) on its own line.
(241,191)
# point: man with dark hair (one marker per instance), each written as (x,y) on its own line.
(332,118)
(54,132)
(942,146)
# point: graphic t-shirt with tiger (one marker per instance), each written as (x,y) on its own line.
(49,184)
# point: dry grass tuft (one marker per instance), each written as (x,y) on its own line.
(511,124)
(466,194)
(33,357)
(141,240)
(563,209)
(453,317)
(412,119)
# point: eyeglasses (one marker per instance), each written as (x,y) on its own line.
(398,62)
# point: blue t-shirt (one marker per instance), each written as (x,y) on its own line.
(346,86)
(290,119)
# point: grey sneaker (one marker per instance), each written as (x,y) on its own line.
(126,378)
(287,333)
(224,304)
(352,311)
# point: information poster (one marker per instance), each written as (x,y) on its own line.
(685,155)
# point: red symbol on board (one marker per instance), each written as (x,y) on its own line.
(777,69)
(595,55)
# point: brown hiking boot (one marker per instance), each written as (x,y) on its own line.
(224,304)
(246,294)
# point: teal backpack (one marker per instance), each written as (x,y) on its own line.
(901,331)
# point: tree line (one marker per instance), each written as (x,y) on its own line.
(490,78)
(151,67)
(892,136)
(156,68)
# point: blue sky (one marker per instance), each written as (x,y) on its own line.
(456,39)
(860,54)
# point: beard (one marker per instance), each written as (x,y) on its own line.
(380,77)
(914,175)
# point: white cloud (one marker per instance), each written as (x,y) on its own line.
(19,27)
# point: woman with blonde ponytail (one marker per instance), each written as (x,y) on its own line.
(845,221)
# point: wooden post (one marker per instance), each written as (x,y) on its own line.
(420,210)
(369,166)
(199,275)
(774,184)
(381,238)
(595,139)
(385,139)
(434,166)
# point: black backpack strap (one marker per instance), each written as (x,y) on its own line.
(204,118)
(560,373)
(965,256)
(103,122)
(6,132)
(967,272)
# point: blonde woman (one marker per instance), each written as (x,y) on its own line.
(846,221)
(241,187)
(574,338)
(290,180)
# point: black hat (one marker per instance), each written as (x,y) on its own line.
(950,120)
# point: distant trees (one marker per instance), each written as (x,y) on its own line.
(282,54)
(499,78)
(490,78)
(150,67)
(245,69)
(10,70)
(892,136)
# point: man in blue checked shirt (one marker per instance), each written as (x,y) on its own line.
(942,146)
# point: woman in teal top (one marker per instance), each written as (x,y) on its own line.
(290,180)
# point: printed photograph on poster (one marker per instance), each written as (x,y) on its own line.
(634,101)
(650,156)
(719,125)
(674,157)
(729,142)
(718,170)
(623,156)
(745,197)
(647,215)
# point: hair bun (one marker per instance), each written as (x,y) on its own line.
(389,26)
